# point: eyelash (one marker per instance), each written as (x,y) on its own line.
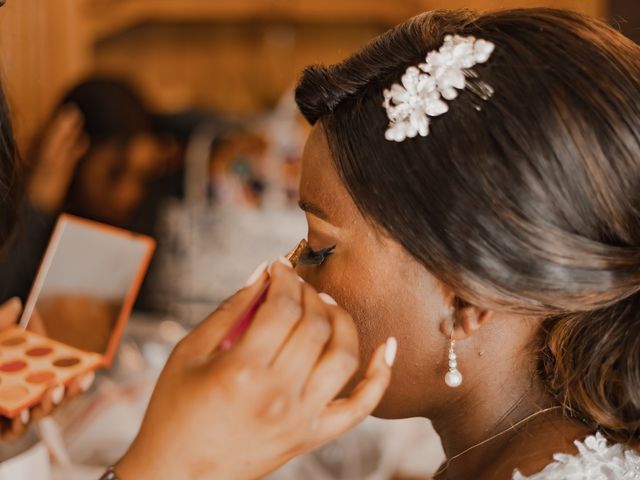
(311,257)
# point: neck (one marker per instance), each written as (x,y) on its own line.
(472,421)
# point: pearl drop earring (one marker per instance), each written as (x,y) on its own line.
(453,378)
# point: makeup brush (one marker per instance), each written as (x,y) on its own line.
(245,320)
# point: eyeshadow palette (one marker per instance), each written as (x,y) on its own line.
(31,363)
(83,294)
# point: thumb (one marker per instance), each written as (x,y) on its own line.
(9,312)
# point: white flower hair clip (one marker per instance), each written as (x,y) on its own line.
(424,87)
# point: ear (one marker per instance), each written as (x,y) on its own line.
(464,318)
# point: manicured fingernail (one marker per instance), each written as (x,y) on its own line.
(25,416)
(285,261)
(256,274)
(326,298)
(390,351)
(86,381)
(300,279)
(57,394)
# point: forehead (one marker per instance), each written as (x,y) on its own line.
(320,183)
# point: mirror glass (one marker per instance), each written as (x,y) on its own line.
(87,283)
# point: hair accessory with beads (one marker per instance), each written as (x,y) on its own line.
(425,87)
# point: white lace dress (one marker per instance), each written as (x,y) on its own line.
(595,460)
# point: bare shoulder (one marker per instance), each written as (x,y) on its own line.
(533,447)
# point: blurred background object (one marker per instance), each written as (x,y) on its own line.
(98,157)
(625,14)
(232,56)
(175,118)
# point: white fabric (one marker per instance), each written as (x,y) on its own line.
(595,460)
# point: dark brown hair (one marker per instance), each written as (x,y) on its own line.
(529,201)
(10,176)
(111,110)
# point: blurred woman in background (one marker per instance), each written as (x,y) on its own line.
(96,159)
(123,156)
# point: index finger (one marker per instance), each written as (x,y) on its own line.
(205,338)
(276,317)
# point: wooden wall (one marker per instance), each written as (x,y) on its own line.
(236,56)
(40,56)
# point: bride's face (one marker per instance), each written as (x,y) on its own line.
(386,291)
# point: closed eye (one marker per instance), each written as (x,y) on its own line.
(311,257)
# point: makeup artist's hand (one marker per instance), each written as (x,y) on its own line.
(12,428)
(241,413)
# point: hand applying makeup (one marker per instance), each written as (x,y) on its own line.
(13,428)
(242,412)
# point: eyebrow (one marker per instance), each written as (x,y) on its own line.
(313,209)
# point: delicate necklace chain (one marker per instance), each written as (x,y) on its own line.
(525,419)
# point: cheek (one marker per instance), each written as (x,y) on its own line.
(374,296)
(94,181)
(391,301)
(128,192)
(93,190)
(354,288)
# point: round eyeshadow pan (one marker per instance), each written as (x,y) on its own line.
(39,351)
(13,341)
(66,362)
(40,377)
(13,393)
(13,366)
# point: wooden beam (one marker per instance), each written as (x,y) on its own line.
(112,16)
